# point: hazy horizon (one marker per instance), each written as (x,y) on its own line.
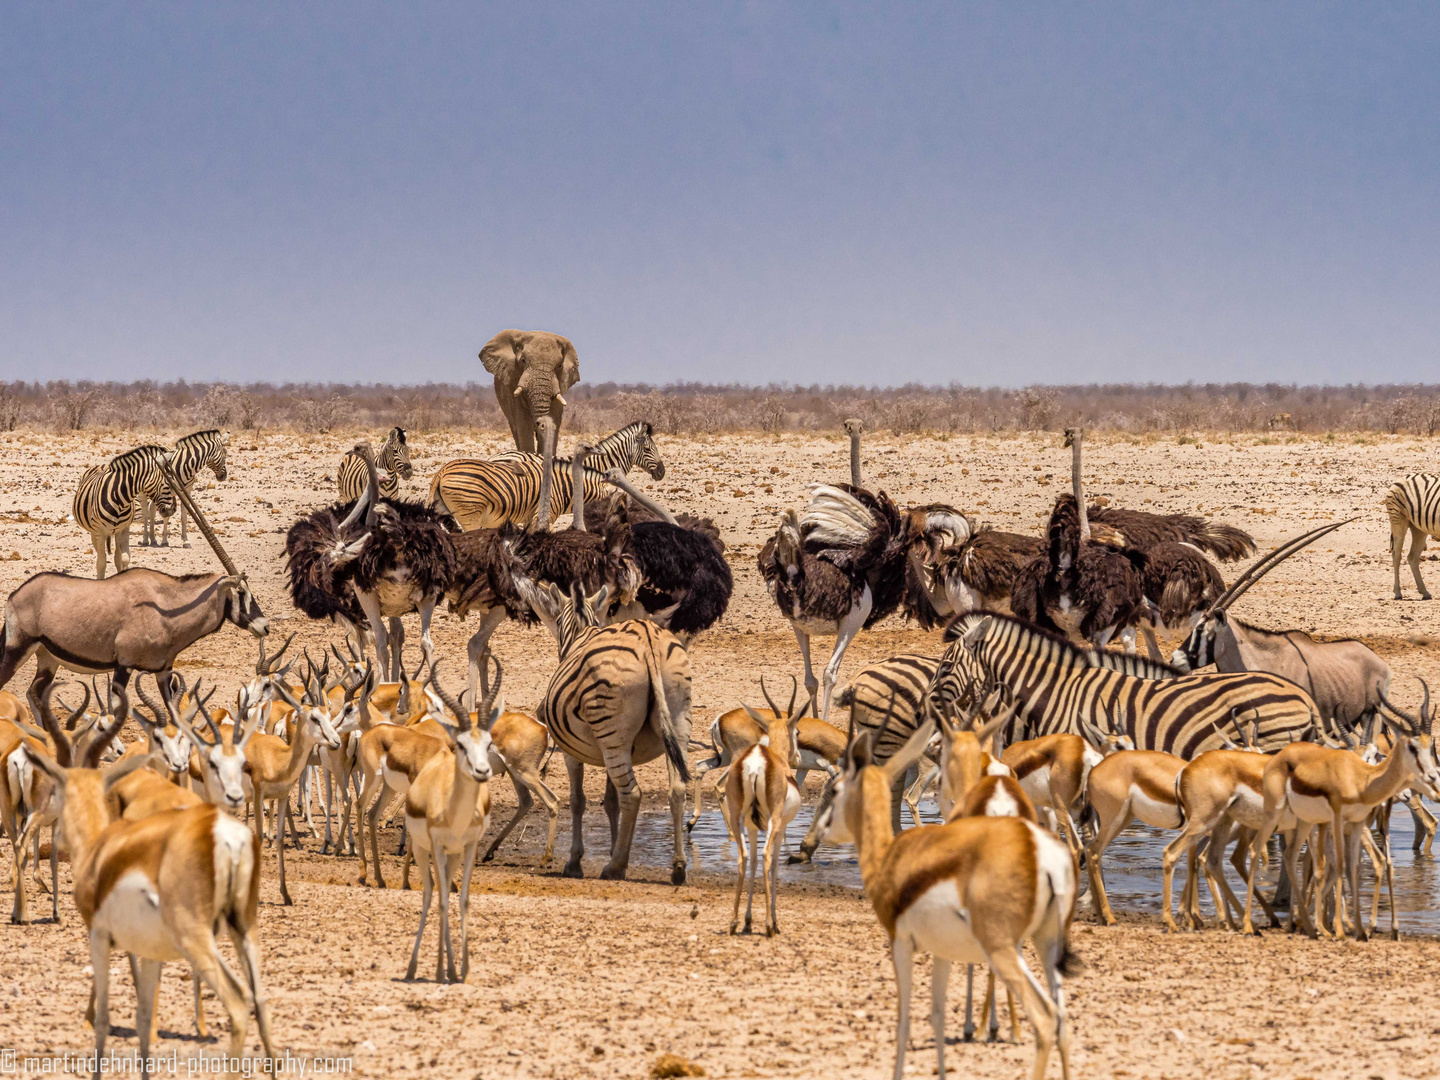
(991,195)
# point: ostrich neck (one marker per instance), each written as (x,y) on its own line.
(1077,482)
(855,459)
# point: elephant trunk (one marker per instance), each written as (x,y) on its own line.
(547,434)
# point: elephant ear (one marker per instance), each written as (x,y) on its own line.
(569,364)
(500,356)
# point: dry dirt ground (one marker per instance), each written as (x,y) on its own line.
(590,978)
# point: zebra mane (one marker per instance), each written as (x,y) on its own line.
(1028,632)
(198,436)
(149,450)
(623,435)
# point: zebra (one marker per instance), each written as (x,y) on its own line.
(393,462)
(619,697)
(1061,687)
(105,500)
(193,452)
(486,493)
(896,688)
(1413,504)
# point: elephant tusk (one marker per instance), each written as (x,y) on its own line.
(519,390)
(562,401)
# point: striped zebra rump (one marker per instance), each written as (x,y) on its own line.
(107,496)
(622,688)
(905,678)
(1415,502)
(392,464)
(1064,688)
(485,493)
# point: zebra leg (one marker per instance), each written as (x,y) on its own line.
(147,511)
(1398,530)
(611,803)
(101,544)
(184,541)
(627,793)
(122,549)
(575,772)
(1417,548)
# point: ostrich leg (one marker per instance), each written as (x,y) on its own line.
(370,604)
(849,627)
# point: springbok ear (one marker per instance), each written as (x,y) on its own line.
(762,721)
(910,753)
(130,765)
(45,762)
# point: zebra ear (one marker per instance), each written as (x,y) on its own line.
(972,637)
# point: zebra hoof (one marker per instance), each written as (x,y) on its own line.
(572,870)
(677,875)
(611,873)
(185,545)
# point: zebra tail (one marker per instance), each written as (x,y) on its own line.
(674,750)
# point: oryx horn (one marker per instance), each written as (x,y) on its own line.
(1243,583)
(191,505)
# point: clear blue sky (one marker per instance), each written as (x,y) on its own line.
(995,194)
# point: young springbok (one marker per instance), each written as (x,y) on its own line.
(973,890)
(445,811)
(760,792)
(157,888)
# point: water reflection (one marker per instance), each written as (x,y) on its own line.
(1132,862)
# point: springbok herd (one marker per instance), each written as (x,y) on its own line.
(1044,741)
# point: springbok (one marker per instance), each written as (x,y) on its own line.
(445,812)
(760,791)
(1335,787)
(157,888)
(973,890)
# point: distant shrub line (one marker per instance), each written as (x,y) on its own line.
(692,408)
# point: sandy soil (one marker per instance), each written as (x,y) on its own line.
(599,979)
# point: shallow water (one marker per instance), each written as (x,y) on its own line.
(1132,862)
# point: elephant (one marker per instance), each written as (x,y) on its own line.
(532,370)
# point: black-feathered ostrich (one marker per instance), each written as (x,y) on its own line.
(685,581)
(844,563)
(399,560)
(1117,570)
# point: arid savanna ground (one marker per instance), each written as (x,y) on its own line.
(598,979)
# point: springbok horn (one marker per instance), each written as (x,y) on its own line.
(156,713)
(462,714)
(1401,714)
(40,707)
(1243,583)
(75,714)
(96,750)
(1427,719)
(265,666)
(168,470)
(774,709)
(617,479)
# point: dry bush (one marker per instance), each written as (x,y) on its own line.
(72,409)
(322,415)
(1037,407)
(10,398)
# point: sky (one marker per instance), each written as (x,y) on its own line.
(991,194)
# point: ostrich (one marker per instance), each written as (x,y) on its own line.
(951,569)
(686,582)
(1085,578)
(835,568)
(403,561)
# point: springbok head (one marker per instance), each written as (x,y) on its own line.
(471,739)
